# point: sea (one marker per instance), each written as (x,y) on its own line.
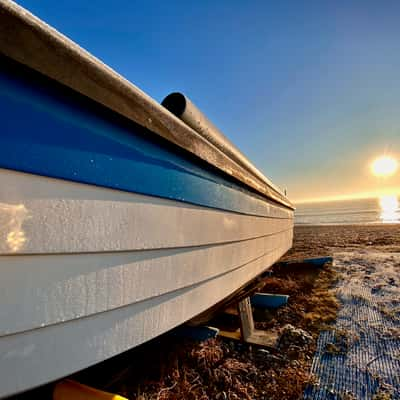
(381,210)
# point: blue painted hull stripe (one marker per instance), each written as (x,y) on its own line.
(49,130)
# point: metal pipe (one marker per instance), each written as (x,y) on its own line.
(183,108)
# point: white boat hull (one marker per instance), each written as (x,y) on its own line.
(118,221)
(90,272)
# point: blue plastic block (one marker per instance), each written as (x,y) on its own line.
(196,332)
(267,300)
(317,262)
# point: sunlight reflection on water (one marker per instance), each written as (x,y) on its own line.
(390,209)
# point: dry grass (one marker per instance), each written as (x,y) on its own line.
(216,370)
(312,303)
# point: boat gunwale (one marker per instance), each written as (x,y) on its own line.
(30,41)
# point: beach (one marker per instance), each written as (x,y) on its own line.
(322,240)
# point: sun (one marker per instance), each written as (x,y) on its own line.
(384,166)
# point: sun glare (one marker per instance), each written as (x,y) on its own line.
(390,208)
(384,166)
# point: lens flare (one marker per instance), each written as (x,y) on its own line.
(384,166)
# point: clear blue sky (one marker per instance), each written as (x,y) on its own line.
(308,90)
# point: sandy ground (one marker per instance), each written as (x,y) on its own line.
(310,241)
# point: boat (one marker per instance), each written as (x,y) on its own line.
(120,218)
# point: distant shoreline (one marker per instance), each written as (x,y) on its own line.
(385,210)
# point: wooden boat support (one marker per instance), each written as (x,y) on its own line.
(247,329)
(243,300)
(246,332)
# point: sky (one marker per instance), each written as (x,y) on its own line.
(308,90)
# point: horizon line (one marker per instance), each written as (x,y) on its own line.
(353,196)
